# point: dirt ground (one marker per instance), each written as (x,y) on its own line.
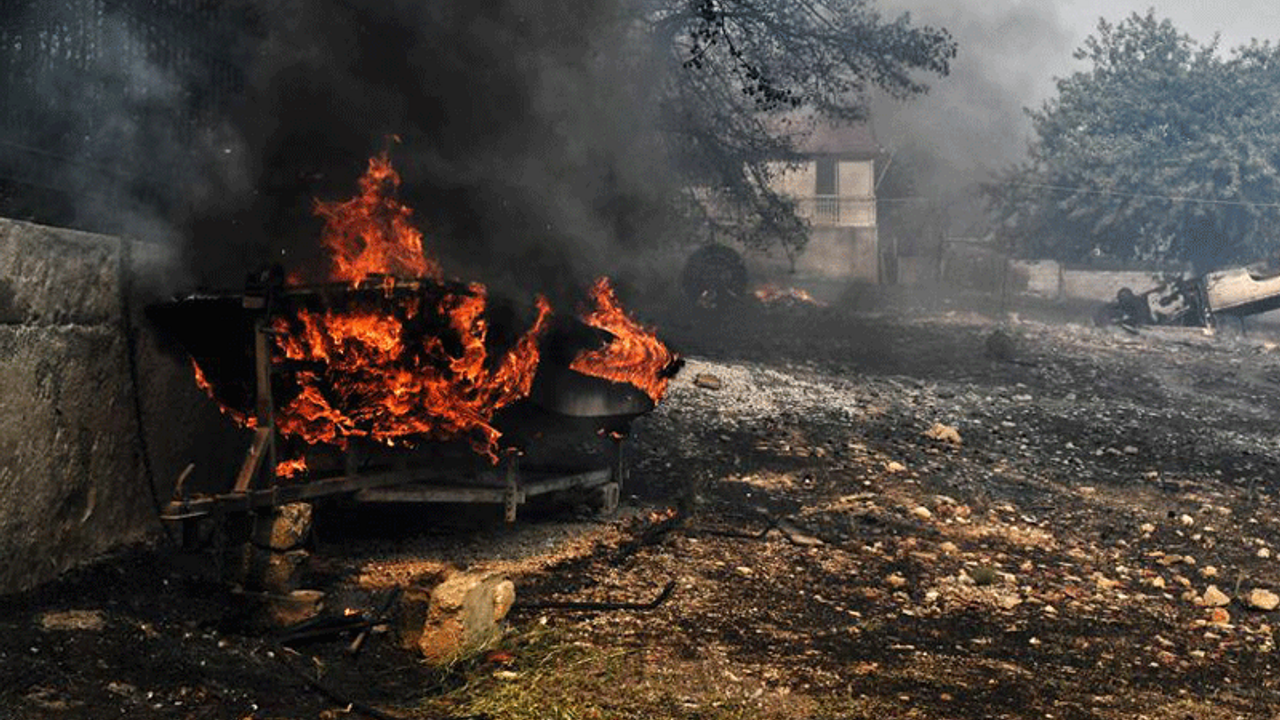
(864,516)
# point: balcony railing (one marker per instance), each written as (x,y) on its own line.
(834,210)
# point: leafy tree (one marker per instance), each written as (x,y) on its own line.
(736,72)
(1164,150)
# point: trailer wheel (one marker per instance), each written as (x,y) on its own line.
(714,274)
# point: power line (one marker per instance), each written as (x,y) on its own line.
(1142,196)
(1087,191)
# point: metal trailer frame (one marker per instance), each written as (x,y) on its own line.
(257,487)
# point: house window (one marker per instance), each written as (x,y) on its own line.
(825,182)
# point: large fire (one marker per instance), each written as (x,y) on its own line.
(373,379)
(634,355)
(412,360)
(370,234)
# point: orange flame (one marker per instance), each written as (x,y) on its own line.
(289,468)
(770,294)
(203,383)
(370,234)
(635,355)
(374,382)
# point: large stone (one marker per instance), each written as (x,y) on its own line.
(271,559)
(295,607)
(463,615)
(1213,597)
(284,528)
(265,570)
(1261,599)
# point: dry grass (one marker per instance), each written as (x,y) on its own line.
(553,676)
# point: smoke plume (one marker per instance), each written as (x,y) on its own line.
(973,121)
(520,134)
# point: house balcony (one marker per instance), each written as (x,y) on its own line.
(838,211)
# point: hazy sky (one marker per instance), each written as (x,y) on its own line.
(1010,52)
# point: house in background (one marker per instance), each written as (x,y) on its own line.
(834,185)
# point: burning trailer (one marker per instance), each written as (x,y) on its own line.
(1197,301)
(389,383)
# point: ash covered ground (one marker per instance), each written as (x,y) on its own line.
(865,515)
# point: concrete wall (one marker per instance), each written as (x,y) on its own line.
(1049,279)
(832,254)
(1102,285)
(72,484)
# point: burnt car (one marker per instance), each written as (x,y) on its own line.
(1197,301)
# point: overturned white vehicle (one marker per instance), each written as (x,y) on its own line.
(1198,301)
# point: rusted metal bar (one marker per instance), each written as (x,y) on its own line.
(180,485)
(266,413)
(252,460)
(380,616)
(280,494)
(512,496)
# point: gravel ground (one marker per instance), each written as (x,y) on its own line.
(869,517)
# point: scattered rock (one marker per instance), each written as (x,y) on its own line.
(1102,582)
(744,571)
(92,620)
(982,575)
(922,512)
(896,581)
(1007,600)
(1220,617)
(893,466)
(798,536)
(707,381)
(1264,553)
(297,606)
(1261,599)
(943,433)
(1214,598)
(123,689)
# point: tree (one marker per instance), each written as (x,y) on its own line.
(1162,150)
(736,72)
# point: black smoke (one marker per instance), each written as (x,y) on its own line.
(524,126)
(522,134)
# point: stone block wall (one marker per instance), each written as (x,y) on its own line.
(72,480)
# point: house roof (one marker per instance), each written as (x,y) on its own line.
(850,140)
(819,136)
